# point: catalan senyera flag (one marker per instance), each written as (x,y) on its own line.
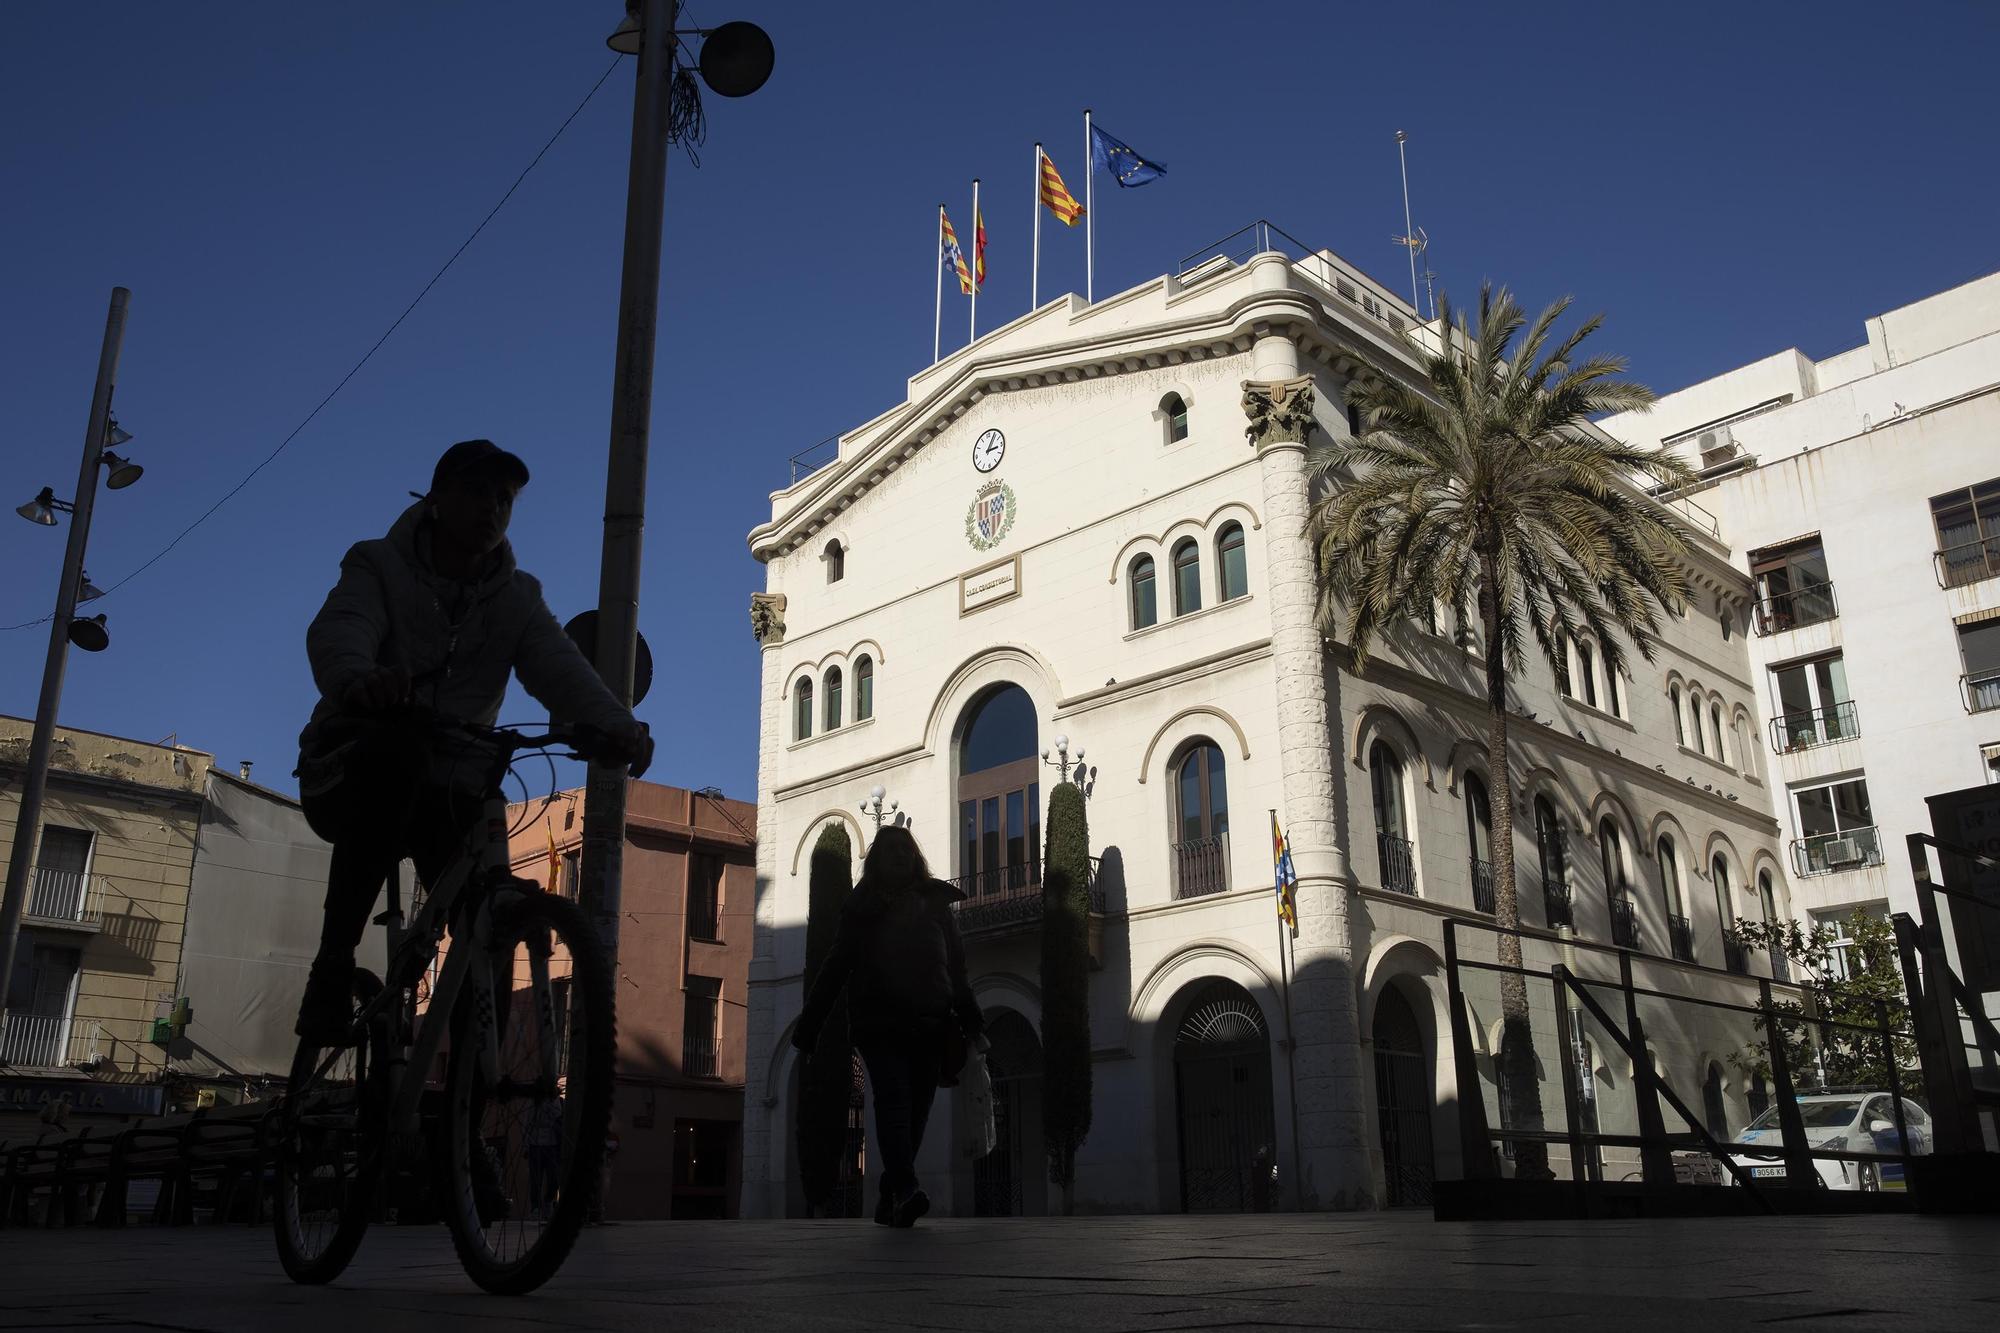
(555,862)
(1287,878)
(950,253)
(978,249)
(1056,196)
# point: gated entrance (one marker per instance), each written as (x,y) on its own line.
(1007,1181)
(1222,1088)
(1403,1102)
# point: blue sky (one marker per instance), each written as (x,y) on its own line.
(274,183)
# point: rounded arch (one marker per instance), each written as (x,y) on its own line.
(1607,805)
(1675,680)
(869,647)
(1764,861)
(1381,721)
(1466,755)
(1144,544)
(1719,841)
(1547,783)
(1235,508)
(1009,990)
(1194,962)
(1002,664)
(816,823)
(1669,823)
(1173,726)
(1155,543)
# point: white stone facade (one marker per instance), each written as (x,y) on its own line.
(1097,479)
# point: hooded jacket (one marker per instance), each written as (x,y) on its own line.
(901,977)
(458,640)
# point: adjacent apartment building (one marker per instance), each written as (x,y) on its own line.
(1861,494)
(683,967)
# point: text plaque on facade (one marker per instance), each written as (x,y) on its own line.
(989,585)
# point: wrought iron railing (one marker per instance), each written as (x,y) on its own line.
(1201,866)
(1482,885)
(66,896)
(1624,923)
(1010,896)
(1815,726)
(47,1040)
(1781,966)
(1828,853)
(1556,904)
(1398,863)
(1801,606)
(1968,562)
(1680,936)
(698,1055)
(1735,957)
(1981,690)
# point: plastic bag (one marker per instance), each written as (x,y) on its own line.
(975,1085)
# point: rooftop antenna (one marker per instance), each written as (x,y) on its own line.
(1413,238)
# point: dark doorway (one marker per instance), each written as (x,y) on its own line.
(1403,1102)
(1007,1181)
(1222,1090)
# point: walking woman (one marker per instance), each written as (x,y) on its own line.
(909,1005)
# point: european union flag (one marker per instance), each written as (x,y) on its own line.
(1122,160)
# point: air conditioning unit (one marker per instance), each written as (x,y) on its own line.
(1844,852)
(1717,446)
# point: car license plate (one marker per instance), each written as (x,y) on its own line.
(1763,1172)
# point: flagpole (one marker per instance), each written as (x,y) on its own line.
(1035,270)
(1291,1045)
(972,334)
(1089,213)
(937,262)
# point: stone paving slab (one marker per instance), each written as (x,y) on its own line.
(1106,1275)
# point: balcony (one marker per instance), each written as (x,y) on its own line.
(1981,690)
(1735,957)
(1624,923)
(1556,904)
(49,1041)
(1830,853)
(1681,936)
(1482,885)
(1795,609)
(1398,862)
(698,1055)
(1818,726)
(65,899)
(1968,563)
(1201,866)
(1007,900)
(1781,966)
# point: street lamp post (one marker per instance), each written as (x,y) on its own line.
(873,806)
(34,783)
(1063,763)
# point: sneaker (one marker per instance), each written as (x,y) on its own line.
(912,1206)
(489,1196)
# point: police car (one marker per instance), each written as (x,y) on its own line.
(1856,1121)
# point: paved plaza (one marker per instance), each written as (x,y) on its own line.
(1347,1271)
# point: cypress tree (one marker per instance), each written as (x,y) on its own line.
(827,1084)
(1066,987)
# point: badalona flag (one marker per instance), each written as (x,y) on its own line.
(951,254)
(1288,878)
(1056,196)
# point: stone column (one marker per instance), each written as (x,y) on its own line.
(1326,1058)
(763,1160)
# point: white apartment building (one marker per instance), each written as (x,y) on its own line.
(1861,492)
(1089,524)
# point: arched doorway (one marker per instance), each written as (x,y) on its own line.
(1403,1102)
(999,795)
(1222,1093)
(1008,1182)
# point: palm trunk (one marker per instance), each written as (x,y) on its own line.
(1519,1084)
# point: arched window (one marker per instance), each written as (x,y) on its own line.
(999,795)
(1187,577)
(1723,616)
(1695,723)
(1680,724)
(802,709)
(1714,1112)
(1145,597)
(1555,863)
(832,722)
(864,688)
(1679,933)
(1392,829)
(1234,577)
(1624,923)
(836,562)
(1767,901)
(1611,701)
(1479,841)
(1586,662)
(1726,914)
(1715,730)
(1201,820)
(1174,409)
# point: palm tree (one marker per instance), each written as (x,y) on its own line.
(1482,488)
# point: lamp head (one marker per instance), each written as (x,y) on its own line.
(736,59)
(41,509)
(116,435)
(876,793)
(627,36)
(1062,745)
(89,634)
(123,472)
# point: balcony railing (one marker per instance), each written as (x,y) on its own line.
(1781,966)
(1624,923)
(1801,606)
(1398,862)
(1008,897)
(1968,562)
(65,898)
(1981,690)
(48,1040)
(698,1055)
(1815,726)
(1201,866)
(1735,957)
(1482,885)
(1828,853)
(1556,903)
(1681,935)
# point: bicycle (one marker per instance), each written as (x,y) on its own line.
(526,1063)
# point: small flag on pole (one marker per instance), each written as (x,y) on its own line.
(1123,161)
(952,255)
(1287,878)
(1056,196)
(978,249)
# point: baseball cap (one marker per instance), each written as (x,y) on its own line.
(470,456)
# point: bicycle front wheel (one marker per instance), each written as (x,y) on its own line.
(529,1096)
(329,1153)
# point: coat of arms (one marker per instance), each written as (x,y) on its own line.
(991,515)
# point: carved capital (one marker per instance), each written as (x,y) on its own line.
(767,617)
(1280,411)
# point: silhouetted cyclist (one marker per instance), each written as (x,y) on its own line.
(434,617)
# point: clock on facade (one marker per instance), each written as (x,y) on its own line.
(988,450)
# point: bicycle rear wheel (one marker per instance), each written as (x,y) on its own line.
(526,1127)
(329,1154)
